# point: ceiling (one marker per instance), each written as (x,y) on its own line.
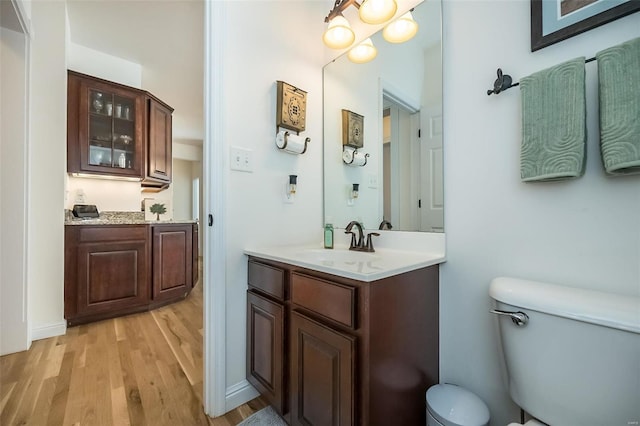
(166,37)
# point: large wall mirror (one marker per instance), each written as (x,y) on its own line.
(399,94)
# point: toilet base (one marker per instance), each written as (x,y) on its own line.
(531,422)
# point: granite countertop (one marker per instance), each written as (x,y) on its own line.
(118,218)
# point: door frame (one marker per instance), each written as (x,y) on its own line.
(214,235)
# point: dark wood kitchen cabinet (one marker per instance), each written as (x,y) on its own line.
(117,130)
(354,353)
(159,143)
(114,270)
(105,127)
(106,271)
(172,261)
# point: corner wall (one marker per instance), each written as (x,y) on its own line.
(47,152)
(266,42)
(582,233)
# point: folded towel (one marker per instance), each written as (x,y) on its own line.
(619,85)
(554,123)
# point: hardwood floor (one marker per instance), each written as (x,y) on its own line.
(142,369)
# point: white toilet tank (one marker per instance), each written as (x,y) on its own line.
(577,360)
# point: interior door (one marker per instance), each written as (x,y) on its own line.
(432,211)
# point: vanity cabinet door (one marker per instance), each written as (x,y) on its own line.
(322,374)
(172,261)
(265,349)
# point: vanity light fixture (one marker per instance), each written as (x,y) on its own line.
(362,53)
(377,11)
(401,30)
(339,34)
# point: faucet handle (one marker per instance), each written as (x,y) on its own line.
(370,240)
(353,239)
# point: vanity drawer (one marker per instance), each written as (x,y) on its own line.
(329,299)
(267,279)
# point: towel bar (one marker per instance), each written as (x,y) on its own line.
(504,81)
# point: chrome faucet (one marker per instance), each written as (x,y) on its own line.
(360,244)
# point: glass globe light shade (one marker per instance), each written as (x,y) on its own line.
(377,11)
(339,34)
(400,30)
(364,52)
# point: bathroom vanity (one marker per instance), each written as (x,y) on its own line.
(336,337)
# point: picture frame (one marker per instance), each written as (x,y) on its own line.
(291,107)
(556,20)
(352,129)
(152,214)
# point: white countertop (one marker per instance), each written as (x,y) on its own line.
(350,264)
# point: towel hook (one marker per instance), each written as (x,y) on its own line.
(502,83)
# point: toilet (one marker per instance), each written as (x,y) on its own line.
(571,354)
(451,405)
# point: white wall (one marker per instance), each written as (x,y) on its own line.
(47,168)
(182,192)
(582,233)
(14,64)
(266,42)
(102,65)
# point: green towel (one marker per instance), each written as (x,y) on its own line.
(619,85)
(554,123)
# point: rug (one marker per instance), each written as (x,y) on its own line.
(266,416)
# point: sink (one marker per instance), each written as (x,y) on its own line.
(336,255)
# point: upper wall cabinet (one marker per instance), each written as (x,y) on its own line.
(116,130)
(159,157)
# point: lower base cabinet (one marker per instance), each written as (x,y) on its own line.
(114,270)
(172,261)
(349,352)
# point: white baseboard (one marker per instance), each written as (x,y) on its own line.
(238,394)
(45,331)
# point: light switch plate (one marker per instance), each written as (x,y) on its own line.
(372,181)
(241,159)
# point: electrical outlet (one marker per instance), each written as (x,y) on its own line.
(241,159)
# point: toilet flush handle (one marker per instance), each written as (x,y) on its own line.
(518,318)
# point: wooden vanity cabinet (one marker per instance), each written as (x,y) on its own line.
(359,353)
(267,334)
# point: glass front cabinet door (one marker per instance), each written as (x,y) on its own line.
(105,128)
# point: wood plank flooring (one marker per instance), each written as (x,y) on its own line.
(142,369)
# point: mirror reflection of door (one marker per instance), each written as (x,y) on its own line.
(401,165)
(432,211)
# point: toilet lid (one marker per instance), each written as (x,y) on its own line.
(454,406)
